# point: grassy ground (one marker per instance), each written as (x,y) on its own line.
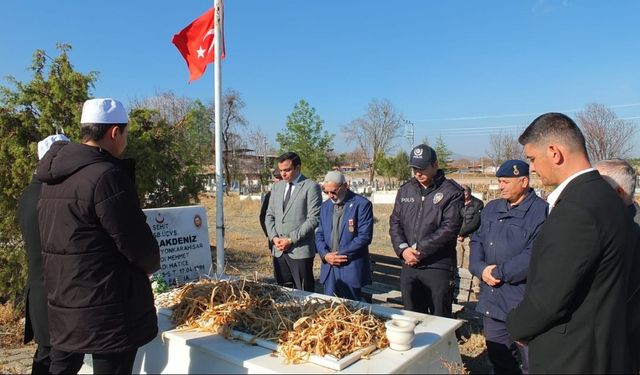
(246,254)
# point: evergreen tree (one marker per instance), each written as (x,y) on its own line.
(29,111)
(173,155)
(305,135)
(443,153)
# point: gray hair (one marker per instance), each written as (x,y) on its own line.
(619,173)
(335,177)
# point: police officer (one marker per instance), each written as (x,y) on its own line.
(424,225)
(500,253)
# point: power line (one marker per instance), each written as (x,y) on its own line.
(508,115)
(490,130)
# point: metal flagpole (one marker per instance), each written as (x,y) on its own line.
(217,84)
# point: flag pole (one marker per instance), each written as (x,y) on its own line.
(217,84)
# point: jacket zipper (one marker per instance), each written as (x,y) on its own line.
(417,223)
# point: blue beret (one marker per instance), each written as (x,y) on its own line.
(513,168)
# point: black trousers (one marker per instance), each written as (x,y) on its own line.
(427,291)
(110,363)
(294,273)
(41,360)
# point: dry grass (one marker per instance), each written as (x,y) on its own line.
(11,326)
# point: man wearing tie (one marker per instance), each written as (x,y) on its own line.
(291,220)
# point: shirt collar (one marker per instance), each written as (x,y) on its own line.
(555,194)
(295,182)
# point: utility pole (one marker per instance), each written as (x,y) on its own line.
(409,132)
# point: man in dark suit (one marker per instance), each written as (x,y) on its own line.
(265,203)
(36,326)
(343,238)
(291,220)
(573,315)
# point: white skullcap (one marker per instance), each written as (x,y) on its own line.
(103,111)
(45,144)
(335,177)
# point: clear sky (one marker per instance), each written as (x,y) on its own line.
(460,69)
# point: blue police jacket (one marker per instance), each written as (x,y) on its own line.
(505,238)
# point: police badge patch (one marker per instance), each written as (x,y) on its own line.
(437,198)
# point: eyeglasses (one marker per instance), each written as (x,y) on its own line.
(333,192)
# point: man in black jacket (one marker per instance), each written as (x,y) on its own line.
(470,223)
(97,248)
(423,226)
(265,204)
(36,325)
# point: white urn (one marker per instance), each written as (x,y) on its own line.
(400,333)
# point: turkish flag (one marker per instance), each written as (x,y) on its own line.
(195,43)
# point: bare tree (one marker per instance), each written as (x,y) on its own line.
(355,157)
(171,108)
(262,148)
(374,132)
(503,146)
(232,123)
(605,134)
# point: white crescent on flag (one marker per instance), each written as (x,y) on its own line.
(210,32)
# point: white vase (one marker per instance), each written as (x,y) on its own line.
(400,334)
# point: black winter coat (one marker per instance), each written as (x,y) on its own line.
(471,216)
(97,250)
(429,218)
(36,326)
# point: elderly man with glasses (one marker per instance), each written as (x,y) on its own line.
(342,239)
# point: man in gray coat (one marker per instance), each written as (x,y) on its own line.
(292,217)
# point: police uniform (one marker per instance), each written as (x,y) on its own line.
(505,239)
(427,219)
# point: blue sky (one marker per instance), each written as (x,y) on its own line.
(459,69)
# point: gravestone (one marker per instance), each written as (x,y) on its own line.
(183,236)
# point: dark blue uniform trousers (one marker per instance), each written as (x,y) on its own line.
(427,291)
(503,351)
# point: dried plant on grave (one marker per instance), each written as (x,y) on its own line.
(335,330)
(300,326)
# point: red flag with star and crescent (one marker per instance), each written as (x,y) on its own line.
(195,43)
